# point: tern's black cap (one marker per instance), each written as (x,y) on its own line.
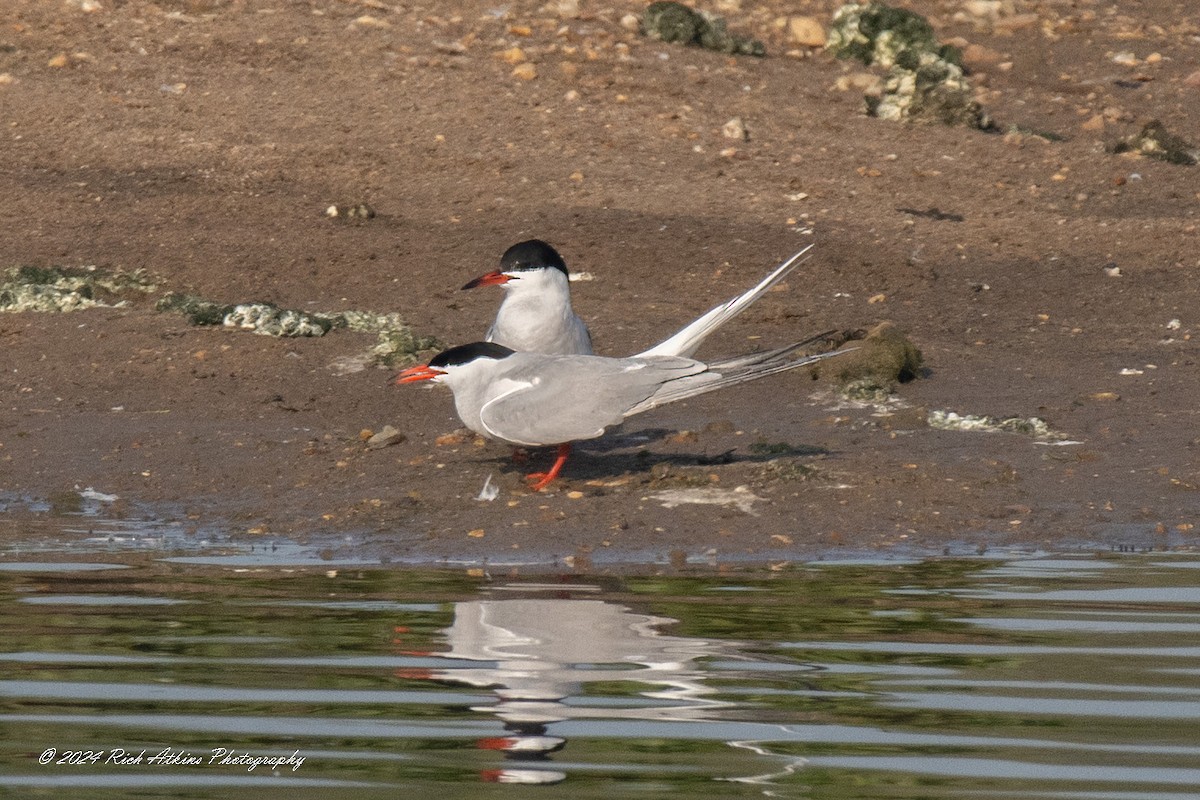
(466,353)
(530,255)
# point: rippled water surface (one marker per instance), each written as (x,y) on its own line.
(1020,677)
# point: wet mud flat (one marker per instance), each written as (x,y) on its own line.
(1042,273)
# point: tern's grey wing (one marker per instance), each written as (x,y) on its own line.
(736,371)
(543,400)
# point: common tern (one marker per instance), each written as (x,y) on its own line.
(536,314)
(535,399)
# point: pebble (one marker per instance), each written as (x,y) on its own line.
(983,9)
(806,31)
(513,55)
(368,21)
(1192,81)
(385,438)
(978,55)
(859,81)
(1015,23)
(631,22)
(735,129)
(525,72)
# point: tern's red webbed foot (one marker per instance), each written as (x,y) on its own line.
(540,480)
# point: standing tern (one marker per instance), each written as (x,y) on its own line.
(536,314)
(535,399)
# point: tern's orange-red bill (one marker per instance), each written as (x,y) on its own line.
(490,279)
(420,373)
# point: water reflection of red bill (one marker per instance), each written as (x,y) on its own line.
(526,745)
(527,776)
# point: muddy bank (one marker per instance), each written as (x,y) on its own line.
(1040,273)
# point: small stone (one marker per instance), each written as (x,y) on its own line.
(866,82)
(513,55)
(735,129)
(977,55)
(1095,123)
(520,30)
(447,439)
(575,495)
(631,22)
(385,438)
(368,21)
(1106,397)
(984,9)
(1154,58)
(59,61)
(1192,81)
(806,31)
(525,72)
(877,298)
(1125,59)
(476,534)
(1016,22)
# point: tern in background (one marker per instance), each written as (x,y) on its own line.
(536,315)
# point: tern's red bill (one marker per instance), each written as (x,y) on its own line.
(420,373)
(491,279)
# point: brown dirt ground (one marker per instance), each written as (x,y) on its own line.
(201,140)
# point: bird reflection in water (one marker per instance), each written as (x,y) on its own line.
(538,654)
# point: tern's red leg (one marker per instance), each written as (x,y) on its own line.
(544,478)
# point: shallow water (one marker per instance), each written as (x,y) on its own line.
(1021,677)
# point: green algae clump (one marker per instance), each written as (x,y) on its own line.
(674,22)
